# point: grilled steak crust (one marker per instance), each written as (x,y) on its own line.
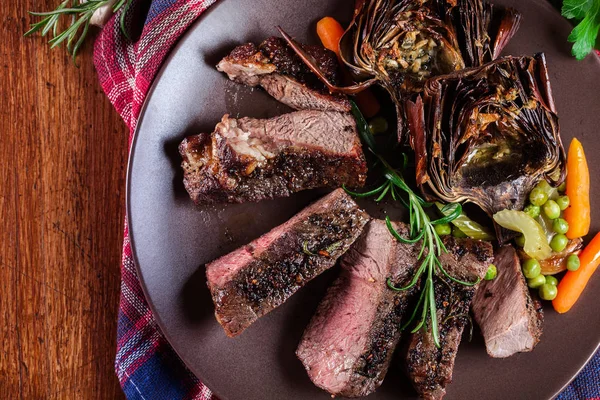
(249,159)
(430,368)
(511,322)
(276,68)
(347,347)
(255,279)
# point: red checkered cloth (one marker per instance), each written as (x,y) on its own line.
(146,365)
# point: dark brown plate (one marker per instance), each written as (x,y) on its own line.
(172,239)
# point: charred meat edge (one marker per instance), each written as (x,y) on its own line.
(275,67)
(250,160)
(510,320)
(347,347)
(257,278)
(429,367)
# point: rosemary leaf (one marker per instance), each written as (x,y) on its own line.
(414,313)
(80,16)
(433,312)
(451,212)
(382,195)
(363,128)
(125,4)
(456,280)
(398,237)
(81,40)
(365,194)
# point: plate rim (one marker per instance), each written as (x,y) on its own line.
(132,146)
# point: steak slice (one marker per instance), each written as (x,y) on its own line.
(429,367)
(257,278)
(511,322)
(347,347)
(276,68)
(250,159)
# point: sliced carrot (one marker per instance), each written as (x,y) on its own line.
(330,32)
(572,284)
(578,190)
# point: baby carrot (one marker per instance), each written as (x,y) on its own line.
(578,191)
(330,32)
(572,284)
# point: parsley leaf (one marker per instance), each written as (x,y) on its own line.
(585,33)
(576,9)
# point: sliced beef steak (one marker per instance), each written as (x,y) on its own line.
(347,347)
(511,322)
(250,159)
(275,67)
(255,279)
(429,367)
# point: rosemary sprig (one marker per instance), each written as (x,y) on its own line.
(422,229)
(80,15)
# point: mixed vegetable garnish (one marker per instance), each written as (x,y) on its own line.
(550,226)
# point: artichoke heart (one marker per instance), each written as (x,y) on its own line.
(487,135)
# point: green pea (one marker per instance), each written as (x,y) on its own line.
(560,225)
(551,209)
(443,229)
(491,272)
(545,186)
(532,211)
(548,291)
(573,262)
(536,282)
(520,240)
(559,242)
(531,268)
(538,197)
(551,280)
(563,187)
(457,233)
(378,125)
(563,202)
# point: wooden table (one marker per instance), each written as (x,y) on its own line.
(63,152)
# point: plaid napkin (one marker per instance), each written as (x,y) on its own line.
(146,365)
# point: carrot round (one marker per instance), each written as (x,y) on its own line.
(572,284)
(578,190)
(330,32)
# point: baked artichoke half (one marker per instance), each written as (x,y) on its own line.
(399,44)
(487,135)
(403,43)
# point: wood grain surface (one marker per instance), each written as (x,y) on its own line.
(63,152)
